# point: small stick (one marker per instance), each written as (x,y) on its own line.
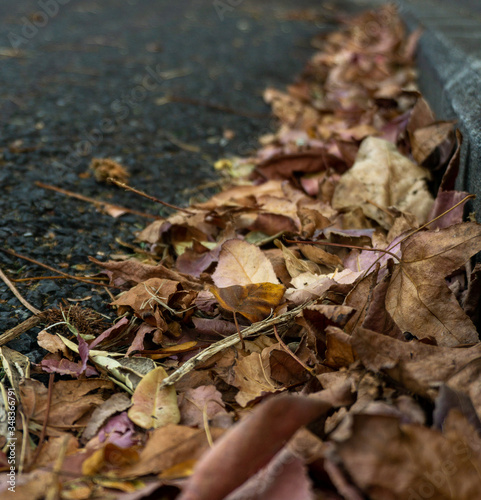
(208,352)
(145,195)
(50,268)
(104,204)
(17,294)
(19,329)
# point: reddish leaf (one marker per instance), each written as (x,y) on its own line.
(250,445)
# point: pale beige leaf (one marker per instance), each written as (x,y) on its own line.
(153,407)
(383,177)
(241,263)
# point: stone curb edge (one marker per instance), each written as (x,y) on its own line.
(449,63)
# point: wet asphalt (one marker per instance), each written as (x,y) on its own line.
(85,79)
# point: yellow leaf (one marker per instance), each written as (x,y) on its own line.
(178,471)
(255,301)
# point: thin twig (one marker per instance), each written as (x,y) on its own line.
(208,352)
(243,344)
(17,294)
(148,196)
(217,107)
(286,348)
(53,490)
(39,278)
(414,231)
(205,420)
(23,453)
(464,200)
(44,426)
(50,268)
(342,245)
(191,148)
(103,204)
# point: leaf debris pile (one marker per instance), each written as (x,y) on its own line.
(308,333)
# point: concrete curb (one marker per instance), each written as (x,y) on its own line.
(449,61)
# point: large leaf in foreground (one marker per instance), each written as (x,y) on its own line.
(251,444)
(418,298)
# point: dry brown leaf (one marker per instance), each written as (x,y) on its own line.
(284,166)
(169,446)
(418,299)
(115,404)
(52,343)
(308,286)
(253,379)
(133,272)
(31,486)
(145,300)
(424,141)
(53,446)
(241,263)
(243,195)
(284,478)
(109,458)
(153,408)
(203,400)
(417,463)
(321,257)
(285,369)
(71,401)
(294,265)
(339,351)
(382,177)
(418,367)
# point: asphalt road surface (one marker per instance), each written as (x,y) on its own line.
(85,79)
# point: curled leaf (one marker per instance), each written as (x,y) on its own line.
(255,301)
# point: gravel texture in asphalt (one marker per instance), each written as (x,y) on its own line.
(89,79)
